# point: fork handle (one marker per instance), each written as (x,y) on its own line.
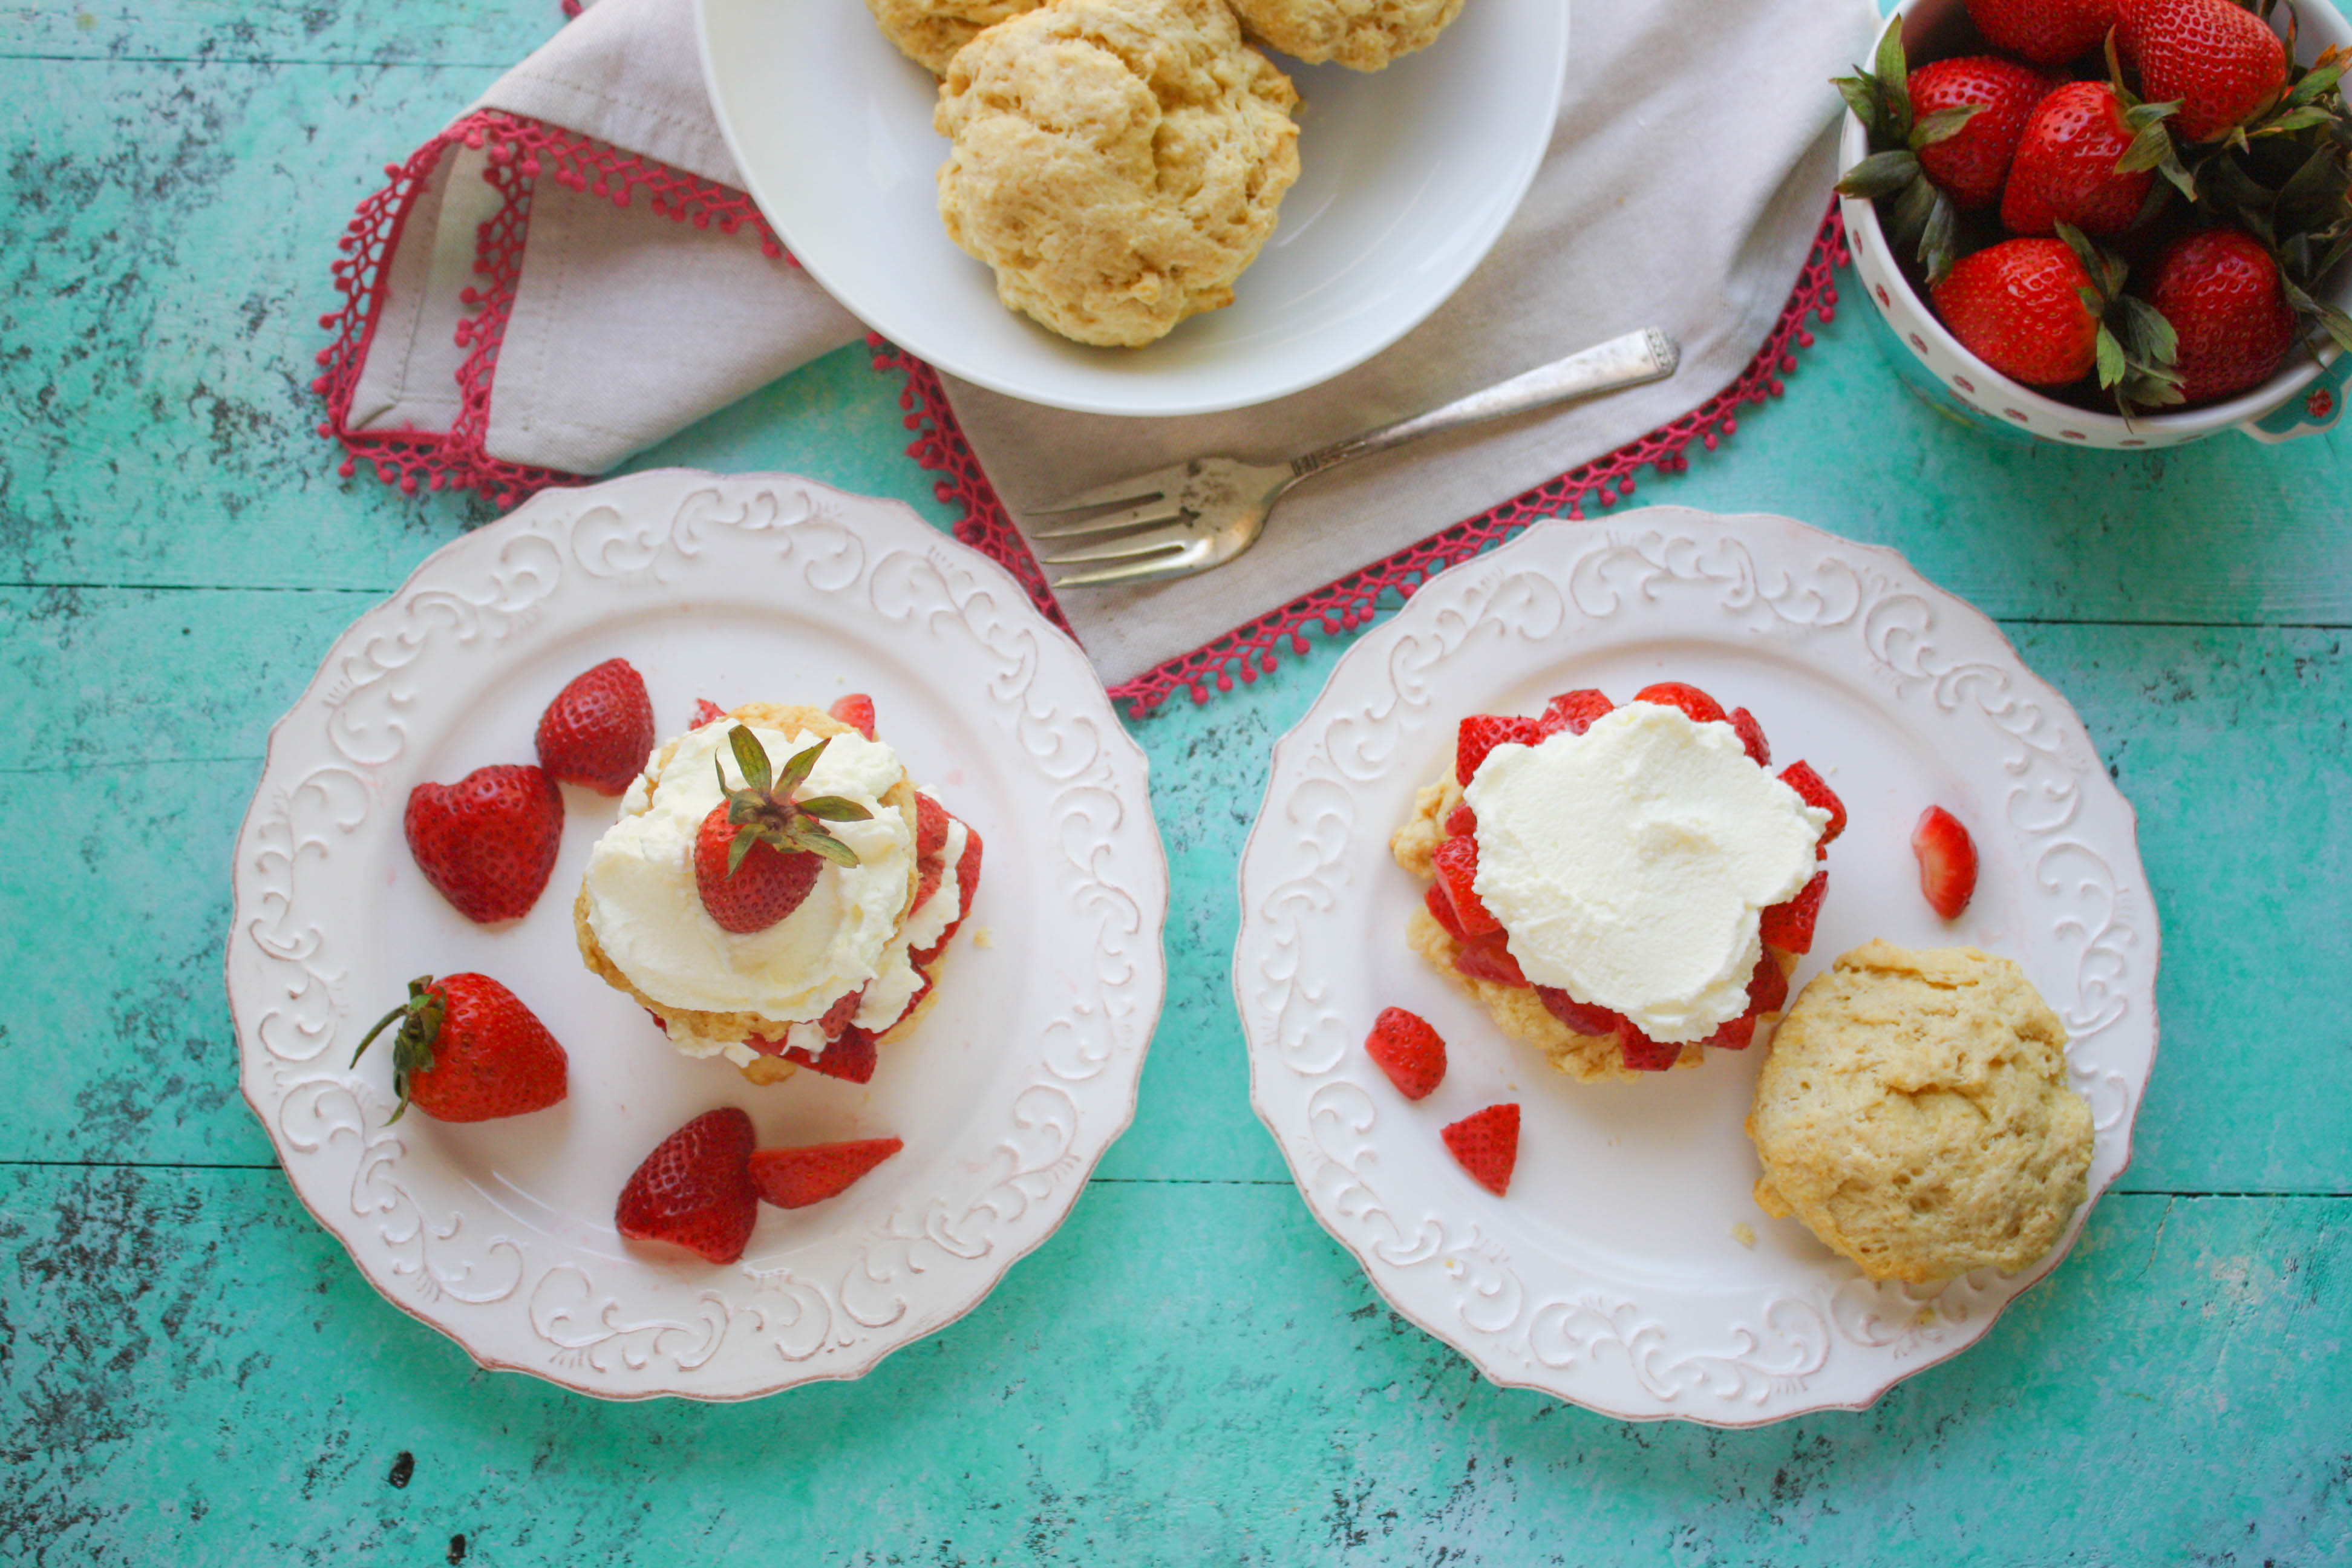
(1630,361)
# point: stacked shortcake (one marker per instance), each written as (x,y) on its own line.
(777,892)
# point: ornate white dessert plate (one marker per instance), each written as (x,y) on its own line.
(1630,1271)
(738,589)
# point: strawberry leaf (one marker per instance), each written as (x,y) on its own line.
(2150,147)
(2112,364)
(835,808)
(1943,125)
(1940,239)
(796,771)
(1861,93)
(2317,80)
(1880,175)
(817,841)
(750,758)
(2294,120)
(1894,73)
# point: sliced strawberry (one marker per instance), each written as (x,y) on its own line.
(927,877)
(1481,733)
(856,710)
(1768,986)
(1751,735)
(1487,958)
(930,827)
(598,731)
(1702,708)
(488,843)
(839,1016)
(1583,1017)
(795,1178)
(761,1045)
(1736,1036)
(695,1189)
(706,711)
(1813,790)
(1441,909)
(849,1056)
(1486,1145)
(967,873)
(1574,712)
(1789,926)
(1643,1054)
(1408,1050)
(1461,822)
(1457,872)
(1948,861)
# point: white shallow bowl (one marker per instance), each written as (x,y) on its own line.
(1629,1270)
(738,589)
(1407,177)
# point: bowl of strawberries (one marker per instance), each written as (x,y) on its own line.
(2109,223)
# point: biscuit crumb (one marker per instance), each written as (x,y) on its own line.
(1744,1234)
(982,937)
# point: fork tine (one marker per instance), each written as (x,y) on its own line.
(1134,487)
(1154,511)
(1195,557)
(1126,548)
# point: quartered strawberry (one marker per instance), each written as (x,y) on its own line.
(1481,733)
(1703,709)
(488,841)
(1814,790)
(1583,1017)
(1488,958)
(599,730)
(1461,822)
(1408,1050)
(1948,861)
(1486,1145)
(1751,735)
(795,1178)
(930,827)
(849,1056)
(1789,926)
(856,710)
(758,853)
(1441,910)
(706,711)
(469,1050)
(1574,712)
(695,1189)
(1643,1054)
(1457,872)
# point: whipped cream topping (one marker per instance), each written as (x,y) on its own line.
(1629,865)
(650,919)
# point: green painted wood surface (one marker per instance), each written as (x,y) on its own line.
(190,1371)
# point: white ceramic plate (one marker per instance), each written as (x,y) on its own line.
(738,589)
(1407,176)
(1630,1271)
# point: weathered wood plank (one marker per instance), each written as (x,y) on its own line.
(414,32)
(195,1373)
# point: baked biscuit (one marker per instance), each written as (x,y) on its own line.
(1914,1112)
(1116,162)
(930,32)
(1362,34)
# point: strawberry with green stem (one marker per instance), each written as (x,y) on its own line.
(468,1049)
(1919,215)
(758,852)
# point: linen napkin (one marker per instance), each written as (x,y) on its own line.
(570,273)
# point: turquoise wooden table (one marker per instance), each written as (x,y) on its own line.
(191,1372)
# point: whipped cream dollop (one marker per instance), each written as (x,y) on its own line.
(650,919)
(1629,865)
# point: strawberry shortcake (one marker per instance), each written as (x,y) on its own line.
(777,892)
(1621,887)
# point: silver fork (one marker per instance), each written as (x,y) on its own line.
(1188,516)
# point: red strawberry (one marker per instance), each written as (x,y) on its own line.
(488,841)
(2018,306)
(2222,292)
(930,827)
(1583,1017)
(1441,909)
(469,1050)
(758,853)
(1767,989)
(1643,1054)
(837,1017)
(2047,32)
(1789,926)
(599,730)
(1457,870)
(1408,1050)
(2064,170)
(1703,709)
(2220,60)
(1481,733)
(1486,1145)
(795,1178)
(1488,958)
(1751,735)
(1574,712)
(706,711)
(1461,822)
(1813,790)
(967,873)
(1948,861)
(928,878)
(856,710)
(695,1189)
(1736,1034)
(849,1056)
(1973,163)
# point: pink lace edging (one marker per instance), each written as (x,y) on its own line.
(1353,600)
(520,152)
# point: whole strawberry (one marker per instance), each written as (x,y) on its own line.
(695,1189)
(2068,167)
(2018,306)
(1972,162)
(488,841)
(469,1050)
(758,853)
(2220,61)
(599,728)
(2047,32)
(2220,290)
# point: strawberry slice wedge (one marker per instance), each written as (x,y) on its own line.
(795,1178)
(1457,873)
(1574,712)
(1789,926)
(1407,1050)
(1703,709)
(1481,733)
(1488,958)
(1814,790)
(1948,861)
(1486,1145)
